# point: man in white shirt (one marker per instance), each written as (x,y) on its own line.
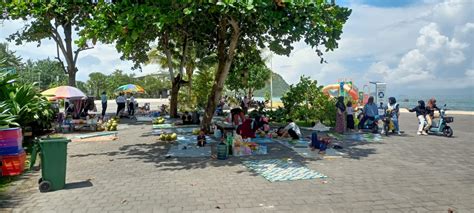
(292,130)
(120,100)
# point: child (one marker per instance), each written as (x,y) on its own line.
(420,114)
(350,116)
(201,138)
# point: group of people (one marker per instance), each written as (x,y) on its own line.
(246,126)
(370,112)
(425,115)
(122,102)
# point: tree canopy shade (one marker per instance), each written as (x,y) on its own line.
(143,30)
(57,20)
(276,25)
(221,27)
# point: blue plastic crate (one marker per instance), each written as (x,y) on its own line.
(12,150)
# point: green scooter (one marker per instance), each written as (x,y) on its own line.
(441,127)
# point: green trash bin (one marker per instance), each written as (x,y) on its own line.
(53,156)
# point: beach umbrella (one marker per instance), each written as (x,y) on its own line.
(130,88)
(62,92)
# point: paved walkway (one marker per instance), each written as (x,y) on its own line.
(401,174)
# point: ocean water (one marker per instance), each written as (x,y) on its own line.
(464,103)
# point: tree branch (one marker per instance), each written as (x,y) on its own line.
(57,38)
(76,53)
(169,58)
(59,59)
(184,55)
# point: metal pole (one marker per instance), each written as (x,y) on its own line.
(271,82)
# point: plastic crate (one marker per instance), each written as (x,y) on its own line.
(10,141)
(12,150)
(13,164)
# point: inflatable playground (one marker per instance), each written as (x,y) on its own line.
(348,90)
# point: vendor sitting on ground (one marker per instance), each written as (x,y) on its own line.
(291,130)
(201,139)
(187,119)
(247,129)
(262,124)
(70,109)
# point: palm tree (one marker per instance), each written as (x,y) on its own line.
(8,59)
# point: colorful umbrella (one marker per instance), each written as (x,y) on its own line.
(130,88)
(64,92)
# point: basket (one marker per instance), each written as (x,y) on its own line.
(449,119)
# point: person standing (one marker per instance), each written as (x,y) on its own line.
(341,109)
(350,116)
(131,105)
(245,104)
(420,114)
(103,99)
(120,103)
(395,112)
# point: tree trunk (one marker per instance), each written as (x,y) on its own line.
(225,61)
(69,56)
(175,85)
(72,78)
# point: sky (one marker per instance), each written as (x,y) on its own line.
(418,47)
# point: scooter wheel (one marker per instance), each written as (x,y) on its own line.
(447,131)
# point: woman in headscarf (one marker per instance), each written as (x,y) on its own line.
(341,109)
(430,109)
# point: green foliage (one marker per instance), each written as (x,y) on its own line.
(306,101)
(23,103)
(8,58)
(56,20)
(202,84)
(47,73)
(248,72)
(278,115)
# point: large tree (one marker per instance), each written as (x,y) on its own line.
(57,20)
(138,28)
(221,26)
(276,25)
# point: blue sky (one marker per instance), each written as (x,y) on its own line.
(418,47)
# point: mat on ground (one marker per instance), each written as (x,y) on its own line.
(281,170)
(364,137)
(177,130)
(144,118)
(163,126)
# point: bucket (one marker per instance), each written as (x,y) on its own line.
(222,152)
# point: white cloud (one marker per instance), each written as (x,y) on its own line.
(102,58)
(442,56)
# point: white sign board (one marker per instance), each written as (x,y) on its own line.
(381,93)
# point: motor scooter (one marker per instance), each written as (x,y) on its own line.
(441,127)
(388,125)
(371,125)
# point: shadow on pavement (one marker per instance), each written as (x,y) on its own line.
(78,185)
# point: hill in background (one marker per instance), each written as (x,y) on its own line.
(279,87)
